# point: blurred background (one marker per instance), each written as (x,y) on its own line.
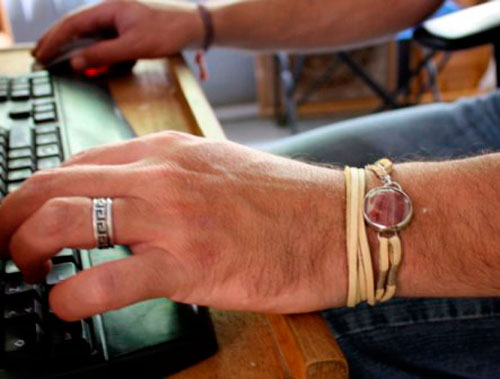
(262,97)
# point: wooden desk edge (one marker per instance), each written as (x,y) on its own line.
(305,342)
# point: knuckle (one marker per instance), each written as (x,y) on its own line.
(41,181)
(22,241)
(68,23)
(58,214)
(171,136)
(81,156)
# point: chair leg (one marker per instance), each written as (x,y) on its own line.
(357,70)
(433,80)
(404,70)
(287,88)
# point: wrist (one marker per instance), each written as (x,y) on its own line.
(181,19)
(329,241)
(195,30)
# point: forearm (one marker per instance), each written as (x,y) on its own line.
(452,246)
(312,24)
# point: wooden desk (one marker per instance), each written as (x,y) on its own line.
(163,94)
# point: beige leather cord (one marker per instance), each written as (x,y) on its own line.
(351,237)
(364,247)
(395,260)
(383,267)
(360,270)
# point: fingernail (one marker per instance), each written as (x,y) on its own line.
(78,63)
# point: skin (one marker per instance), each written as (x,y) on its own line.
(219,224)
(148,29)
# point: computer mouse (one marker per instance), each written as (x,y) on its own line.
(69,50)
(61,61)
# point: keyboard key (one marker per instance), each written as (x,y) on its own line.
(3,173)
(20,87)
(15,285)
(48,150)
(19,175)
(21,153)
(69,340)
(67,256)
(3,158)
(49,162)
(21,163)
(42,90)
(47,128)
(40,81)
(20,113)
(44,139)
(22,342)
(39,74)
(22,305)
(49,107)
(11,268)
(3,187)
(20,95)
(40,117)
(20,80)
(42,101)
(60,272)
(21,136)
(3,95)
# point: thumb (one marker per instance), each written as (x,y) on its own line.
(114,285)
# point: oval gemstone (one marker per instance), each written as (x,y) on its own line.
(387,208)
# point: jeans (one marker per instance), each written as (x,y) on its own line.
(413,338)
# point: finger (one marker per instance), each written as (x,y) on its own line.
(106,53)
(117,284)
(87,21)
(85,181)
(67,223)
(114,154)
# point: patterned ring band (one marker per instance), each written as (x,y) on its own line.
(102,219)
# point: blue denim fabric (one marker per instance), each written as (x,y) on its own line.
(467,127)
(420,338)
(413,338)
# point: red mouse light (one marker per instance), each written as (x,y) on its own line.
(92,72)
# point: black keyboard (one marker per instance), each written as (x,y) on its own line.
(149,339)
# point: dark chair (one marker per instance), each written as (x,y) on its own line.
(468,28)
(288,76)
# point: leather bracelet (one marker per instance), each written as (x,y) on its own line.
(208,27)
(360,271)
(387,209)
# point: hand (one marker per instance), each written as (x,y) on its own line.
(211,223)
(144,30)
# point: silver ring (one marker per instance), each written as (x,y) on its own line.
(102,219)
